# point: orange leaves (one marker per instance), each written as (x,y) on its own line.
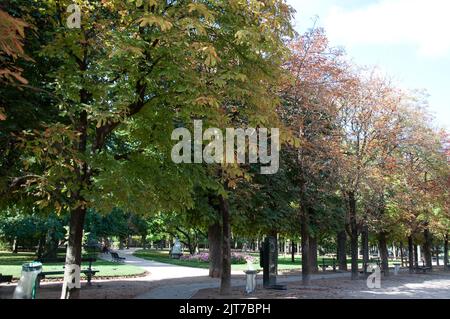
(12,34)
(2,114)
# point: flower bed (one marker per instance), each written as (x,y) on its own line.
(236,258)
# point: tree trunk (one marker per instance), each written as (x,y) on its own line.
(71,285)
(306,265)
(353,234)
(365,247)
(215,249)
(394,250)
(292,251)
(436,250)
(41,246)
(416,256)
(313,254)
(446,252)
(129,239)
(15,246)
(144,241)
(383,253)
(427,248)
(51,247)
(225,277)
(410,255)
(342,250)
(402,256)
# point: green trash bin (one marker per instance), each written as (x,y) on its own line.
(26,288)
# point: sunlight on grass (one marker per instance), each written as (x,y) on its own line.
(11,264)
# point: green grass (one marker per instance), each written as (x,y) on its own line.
(163,256)
(11,264)
(284,263)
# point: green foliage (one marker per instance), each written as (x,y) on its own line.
(27,229)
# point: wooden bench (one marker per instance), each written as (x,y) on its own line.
(422,269)
(328,263)
(115,257)
(7,279)
(89,272)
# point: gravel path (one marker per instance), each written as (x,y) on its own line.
(179,282)
(434,285)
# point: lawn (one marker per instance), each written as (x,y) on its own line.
(284,263)
(11,264)
(163,256)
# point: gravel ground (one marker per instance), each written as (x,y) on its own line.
(434,285)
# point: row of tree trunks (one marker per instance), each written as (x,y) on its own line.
(215,249)
(342,250)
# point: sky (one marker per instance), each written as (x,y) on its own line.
(409,40)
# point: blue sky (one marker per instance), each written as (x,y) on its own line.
(409,40)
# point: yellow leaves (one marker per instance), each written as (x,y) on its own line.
(208,51)
(137,51)
(126,50)
(241,36)
(140,3)
(201,9)
(42,203)
(207,100)
(153,20)
(211,56)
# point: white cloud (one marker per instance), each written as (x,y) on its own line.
(424,24)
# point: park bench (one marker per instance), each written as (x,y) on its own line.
(328,263)
(7,279)
(115,257)
(89,272)
(422,269)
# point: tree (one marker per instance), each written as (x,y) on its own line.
(317,74)
(123,78)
